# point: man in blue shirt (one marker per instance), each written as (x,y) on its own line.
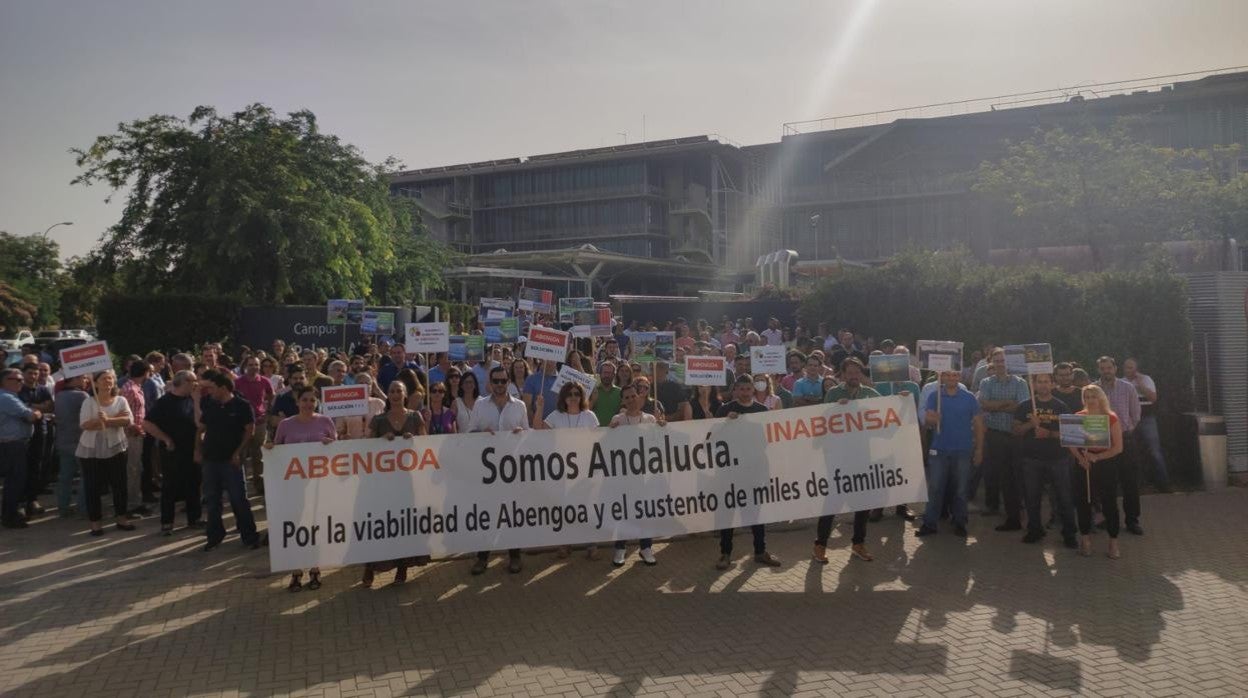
(437,374)
(958,442)
(397,362)
(16,428)
(808,390)
(539,383)
(999,395)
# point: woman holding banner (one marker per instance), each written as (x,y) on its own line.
(633,397)
(466,399)
(397,420)
(1100,466)
(571,412)
(439,418)
(305,427)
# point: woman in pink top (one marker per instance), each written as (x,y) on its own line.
(305,427)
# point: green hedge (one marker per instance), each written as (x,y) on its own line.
(139,323)
(954,296)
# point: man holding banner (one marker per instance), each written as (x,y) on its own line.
(957,444)
(743,403)
(1041,456)
(852,371)
(501,413)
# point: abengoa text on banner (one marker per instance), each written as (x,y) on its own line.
(366,500)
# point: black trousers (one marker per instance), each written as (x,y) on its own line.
(824,529)
(98,471)
(760,539)
(34,464)
(1104,479)
(511,552)
(149,458)
(1001,479)
(181,478)
(1129,476)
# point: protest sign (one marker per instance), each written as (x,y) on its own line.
(643,347)
(355,311)
(676,372)
(536,300)
(1085,430)
(508,330)
(704,370)
(377,322)
(427,337)
(890,368)
(665,346)
(474,348)
(456,349)
(501,304)
(336,311)
(595,322)
(344,401)
(356,501)
(86,358)
(939,355)
(768,359)
(1028,359)
(568,306)
(546,344)
(567,373)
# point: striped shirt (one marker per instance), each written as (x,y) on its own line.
(1124,401)
(1010,388)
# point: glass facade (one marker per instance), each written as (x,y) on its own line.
(561,183)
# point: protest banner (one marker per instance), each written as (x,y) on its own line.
(568,306)
(1028,359)
(344,401)
(474,348)
(704,370)
(536,300)
(356,501)
(939,355)
(456,349)
(427,337)
(768,359)
(1085,430)
(377,322)
(546,344)
(567,373)
(86,358)
(890,368)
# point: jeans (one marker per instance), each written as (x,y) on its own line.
(1058,472)
(760,542)
(96,472)
(219,477)
(1001,475)
(824,528)
(179,480)
(65,483)
(13,469)
(947,473)
(643,543)
(1150,439)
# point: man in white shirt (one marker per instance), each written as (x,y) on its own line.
(773,334)
(501,413)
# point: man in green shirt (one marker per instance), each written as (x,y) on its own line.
(606,397)
(852,388)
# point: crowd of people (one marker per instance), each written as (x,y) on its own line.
(192,427)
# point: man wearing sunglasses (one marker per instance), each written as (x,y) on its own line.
(16,427)
(501,413)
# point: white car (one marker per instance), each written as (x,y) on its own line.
(17,341)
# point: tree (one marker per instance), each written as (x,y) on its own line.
(30,266)
(1103,188)
(250,204)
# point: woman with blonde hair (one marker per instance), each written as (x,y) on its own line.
(1101,473)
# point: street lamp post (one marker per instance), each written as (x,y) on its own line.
(50,227)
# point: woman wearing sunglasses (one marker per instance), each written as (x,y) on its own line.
(439,418)
(571,412)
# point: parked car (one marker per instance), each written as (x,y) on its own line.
(19,339)
(53,348)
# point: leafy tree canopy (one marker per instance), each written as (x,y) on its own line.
(29,269)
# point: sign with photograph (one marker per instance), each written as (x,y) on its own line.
(377,322)
(474,348)
(890,368)
(1085,430)
(1028,359)
(939,355)
(568,306)
(536,300)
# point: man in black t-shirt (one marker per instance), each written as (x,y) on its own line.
(672,395)
(743,403)
(225,421)
(171,422)
(1065,390)
(1042,456)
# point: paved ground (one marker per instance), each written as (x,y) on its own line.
(136,614)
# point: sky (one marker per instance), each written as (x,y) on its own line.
(439,83)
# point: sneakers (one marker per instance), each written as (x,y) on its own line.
(860,551)
(478,567)
(617,558)
(820,554)
(1009,526)
(924,531)
(514,565)
(724,562)
(647,556)
(767,559)
(1033,537)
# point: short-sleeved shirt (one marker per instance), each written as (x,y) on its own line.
(534,383)
(672,394)
(607,402)
(68,405)
(1073,399)
(1050,412)
(890,388)
(256,391)
(175,416)
(285,405)
(730,407)
(562,420)
(293,431)
(957,415)
(224,425)
(382,426)
(843,392)
(1010,388)
(807,387)
(623,420)
(133,393)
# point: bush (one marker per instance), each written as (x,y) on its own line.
(1141,314)
(139,323)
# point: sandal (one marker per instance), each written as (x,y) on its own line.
(295,583)
(367,580)
(314,581)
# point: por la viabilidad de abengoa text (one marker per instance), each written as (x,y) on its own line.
(424,521)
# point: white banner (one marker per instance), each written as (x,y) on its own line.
(344,401)
(546,344)
(768,359)
(704,370)
(85,358)
(427,337)
(351,502)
